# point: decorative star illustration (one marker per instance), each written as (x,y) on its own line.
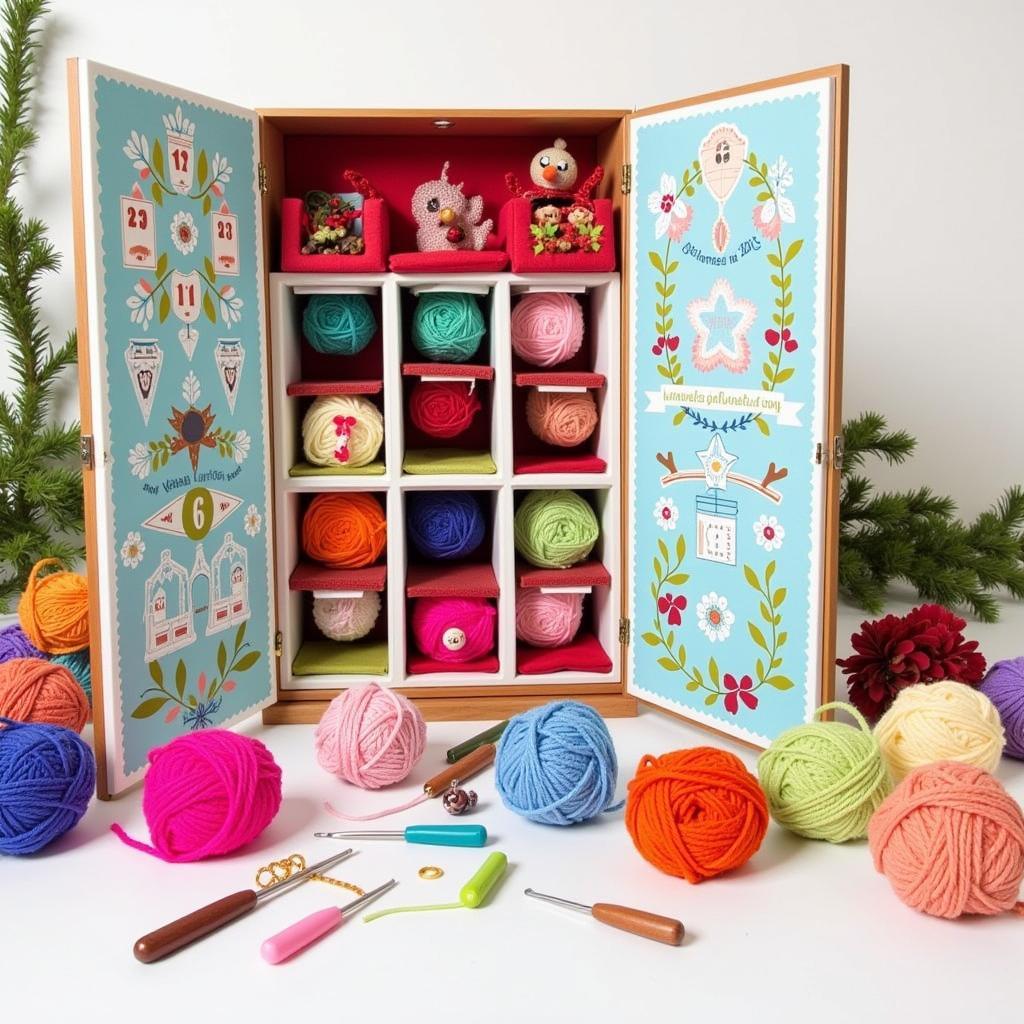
(716,462)
(721,321)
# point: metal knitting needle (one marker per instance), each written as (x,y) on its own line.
(201,922)
(425,835)
(639,922)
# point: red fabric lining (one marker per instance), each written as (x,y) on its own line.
(553,463)
(304,388)
(312,576)
(455,261)
(447,370)
(515,220)
(586,574)
(552,379)
(583,653)
(419,665)
(435,580)
(375,236)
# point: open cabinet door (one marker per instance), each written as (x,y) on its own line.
(173,381)
(734,319)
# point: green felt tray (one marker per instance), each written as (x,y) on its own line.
(438,461)
(308,469)
(330,658)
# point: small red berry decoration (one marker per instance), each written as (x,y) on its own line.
(789,343)
(455,235)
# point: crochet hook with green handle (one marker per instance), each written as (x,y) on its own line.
(424,835)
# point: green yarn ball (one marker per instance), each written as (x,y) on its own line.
(824,780)
(447,326)
(339,325)
(555,529)
(78,665)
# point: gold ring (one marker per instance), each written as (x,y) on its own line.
(430,872)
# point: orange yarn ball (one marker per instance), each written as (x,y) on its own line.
(344,531)
(33,690)
(950,840)
(695,813)
(54,610)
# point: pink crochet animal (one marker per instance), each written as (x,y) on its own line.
(446,218)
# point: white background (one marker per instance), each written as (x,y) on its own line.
(933,324)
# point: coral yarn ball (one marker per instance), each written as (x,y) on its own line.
(695,813)
(564,420)
(547,328)
(54,610)
(370,736)
(34,690)
(943,721)
(206,794)
(548,620)
(950,839)
(454,629)
(824,780)
(344,531)
(1004,686)
(443,408)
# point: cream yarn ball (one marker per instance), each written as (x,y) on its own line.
(943,721)
(346,618)
(342,430)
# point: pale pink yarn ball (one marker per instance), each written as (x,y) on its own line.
(548,620)
(547,328)
(370,736)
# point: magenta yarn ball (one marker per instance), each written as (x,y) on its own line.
(547,328)
(1004,686)
(548,620)
(207,793)
(370,736)
(454,628)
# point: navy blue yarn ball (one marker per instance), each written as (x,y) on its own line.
(446,526)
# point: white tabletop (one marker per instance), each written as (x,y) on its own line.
(806,930)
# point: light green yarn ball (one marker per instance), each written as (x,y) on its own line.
(447,326)
(555,529)
(824,780)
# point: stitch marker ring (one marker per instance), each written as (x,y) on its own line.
(430,872)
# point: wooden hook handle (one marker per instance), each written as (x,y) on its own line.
(465,768)
(640,922)
(193,926)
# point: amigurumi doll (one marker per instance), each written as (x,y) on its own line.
(446,218)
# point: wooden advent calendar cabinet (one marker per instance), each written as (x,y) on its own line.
(712,348)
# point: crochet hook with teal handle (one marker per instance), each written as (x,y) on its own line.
(425,835)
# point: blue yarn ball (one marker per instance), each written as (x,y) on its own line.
(339,325)
(447,326)
(47,776)
(78,665)
(556,764)
(447,526)
(15,644)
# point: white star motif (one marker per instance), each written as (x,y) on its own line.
(721,321)
(716,462)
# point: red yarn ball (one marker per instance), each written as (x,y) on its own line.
(443,408)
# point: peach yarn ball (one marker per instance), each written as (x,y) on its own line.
(33,690)
(560,418)
(344,531)
(950,839)
(54,610)
(547,328)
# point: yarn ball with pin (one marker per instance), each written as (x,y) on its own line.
(339,325)
(346,618)
(547,328)
(370,736)
(342,431)
(454,629)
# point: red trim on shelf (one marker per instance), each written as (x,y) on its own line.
(579,462)
(593,381)
(309,575)
(449,261)
(583,653)
(458,580)
(448,370)
(304,388)
(587,574)
(420,665)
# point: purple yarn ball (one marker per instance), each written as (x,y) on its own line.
(1004,686)
(14,644)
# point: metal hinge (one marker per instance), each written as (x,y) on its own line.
(278,644)
(86,451)
(627,179)
(820,454)
(837,451)
(625,629)
(263,176)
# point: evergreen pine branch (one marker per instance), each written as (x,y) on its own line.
(866,435)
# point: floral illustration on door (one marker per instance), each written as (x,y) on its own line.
(728,336)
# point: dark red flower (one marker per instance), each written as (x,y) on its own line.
(674,606)
(923,646)
(738,690)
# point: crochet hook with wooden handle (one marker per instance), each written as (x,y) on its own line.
(201,922)
(639,922)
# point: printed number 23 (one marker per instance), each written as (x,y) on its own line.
(224,229)
(137,218)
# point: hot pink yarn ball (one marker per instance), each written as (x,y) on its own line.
(207,793)
(548,620)
(547,328)
(370,736)
(454,628)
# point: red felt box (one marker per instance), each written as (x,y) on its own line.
(371,261)
(516,218)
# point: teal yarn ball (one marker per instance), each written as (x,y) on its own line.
(447,327)
(339,325)
(78,665)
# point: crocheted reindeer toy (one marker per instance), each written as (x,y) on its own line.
(446,218)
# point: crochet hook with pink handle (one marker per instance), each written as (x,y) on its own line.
(304,933)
